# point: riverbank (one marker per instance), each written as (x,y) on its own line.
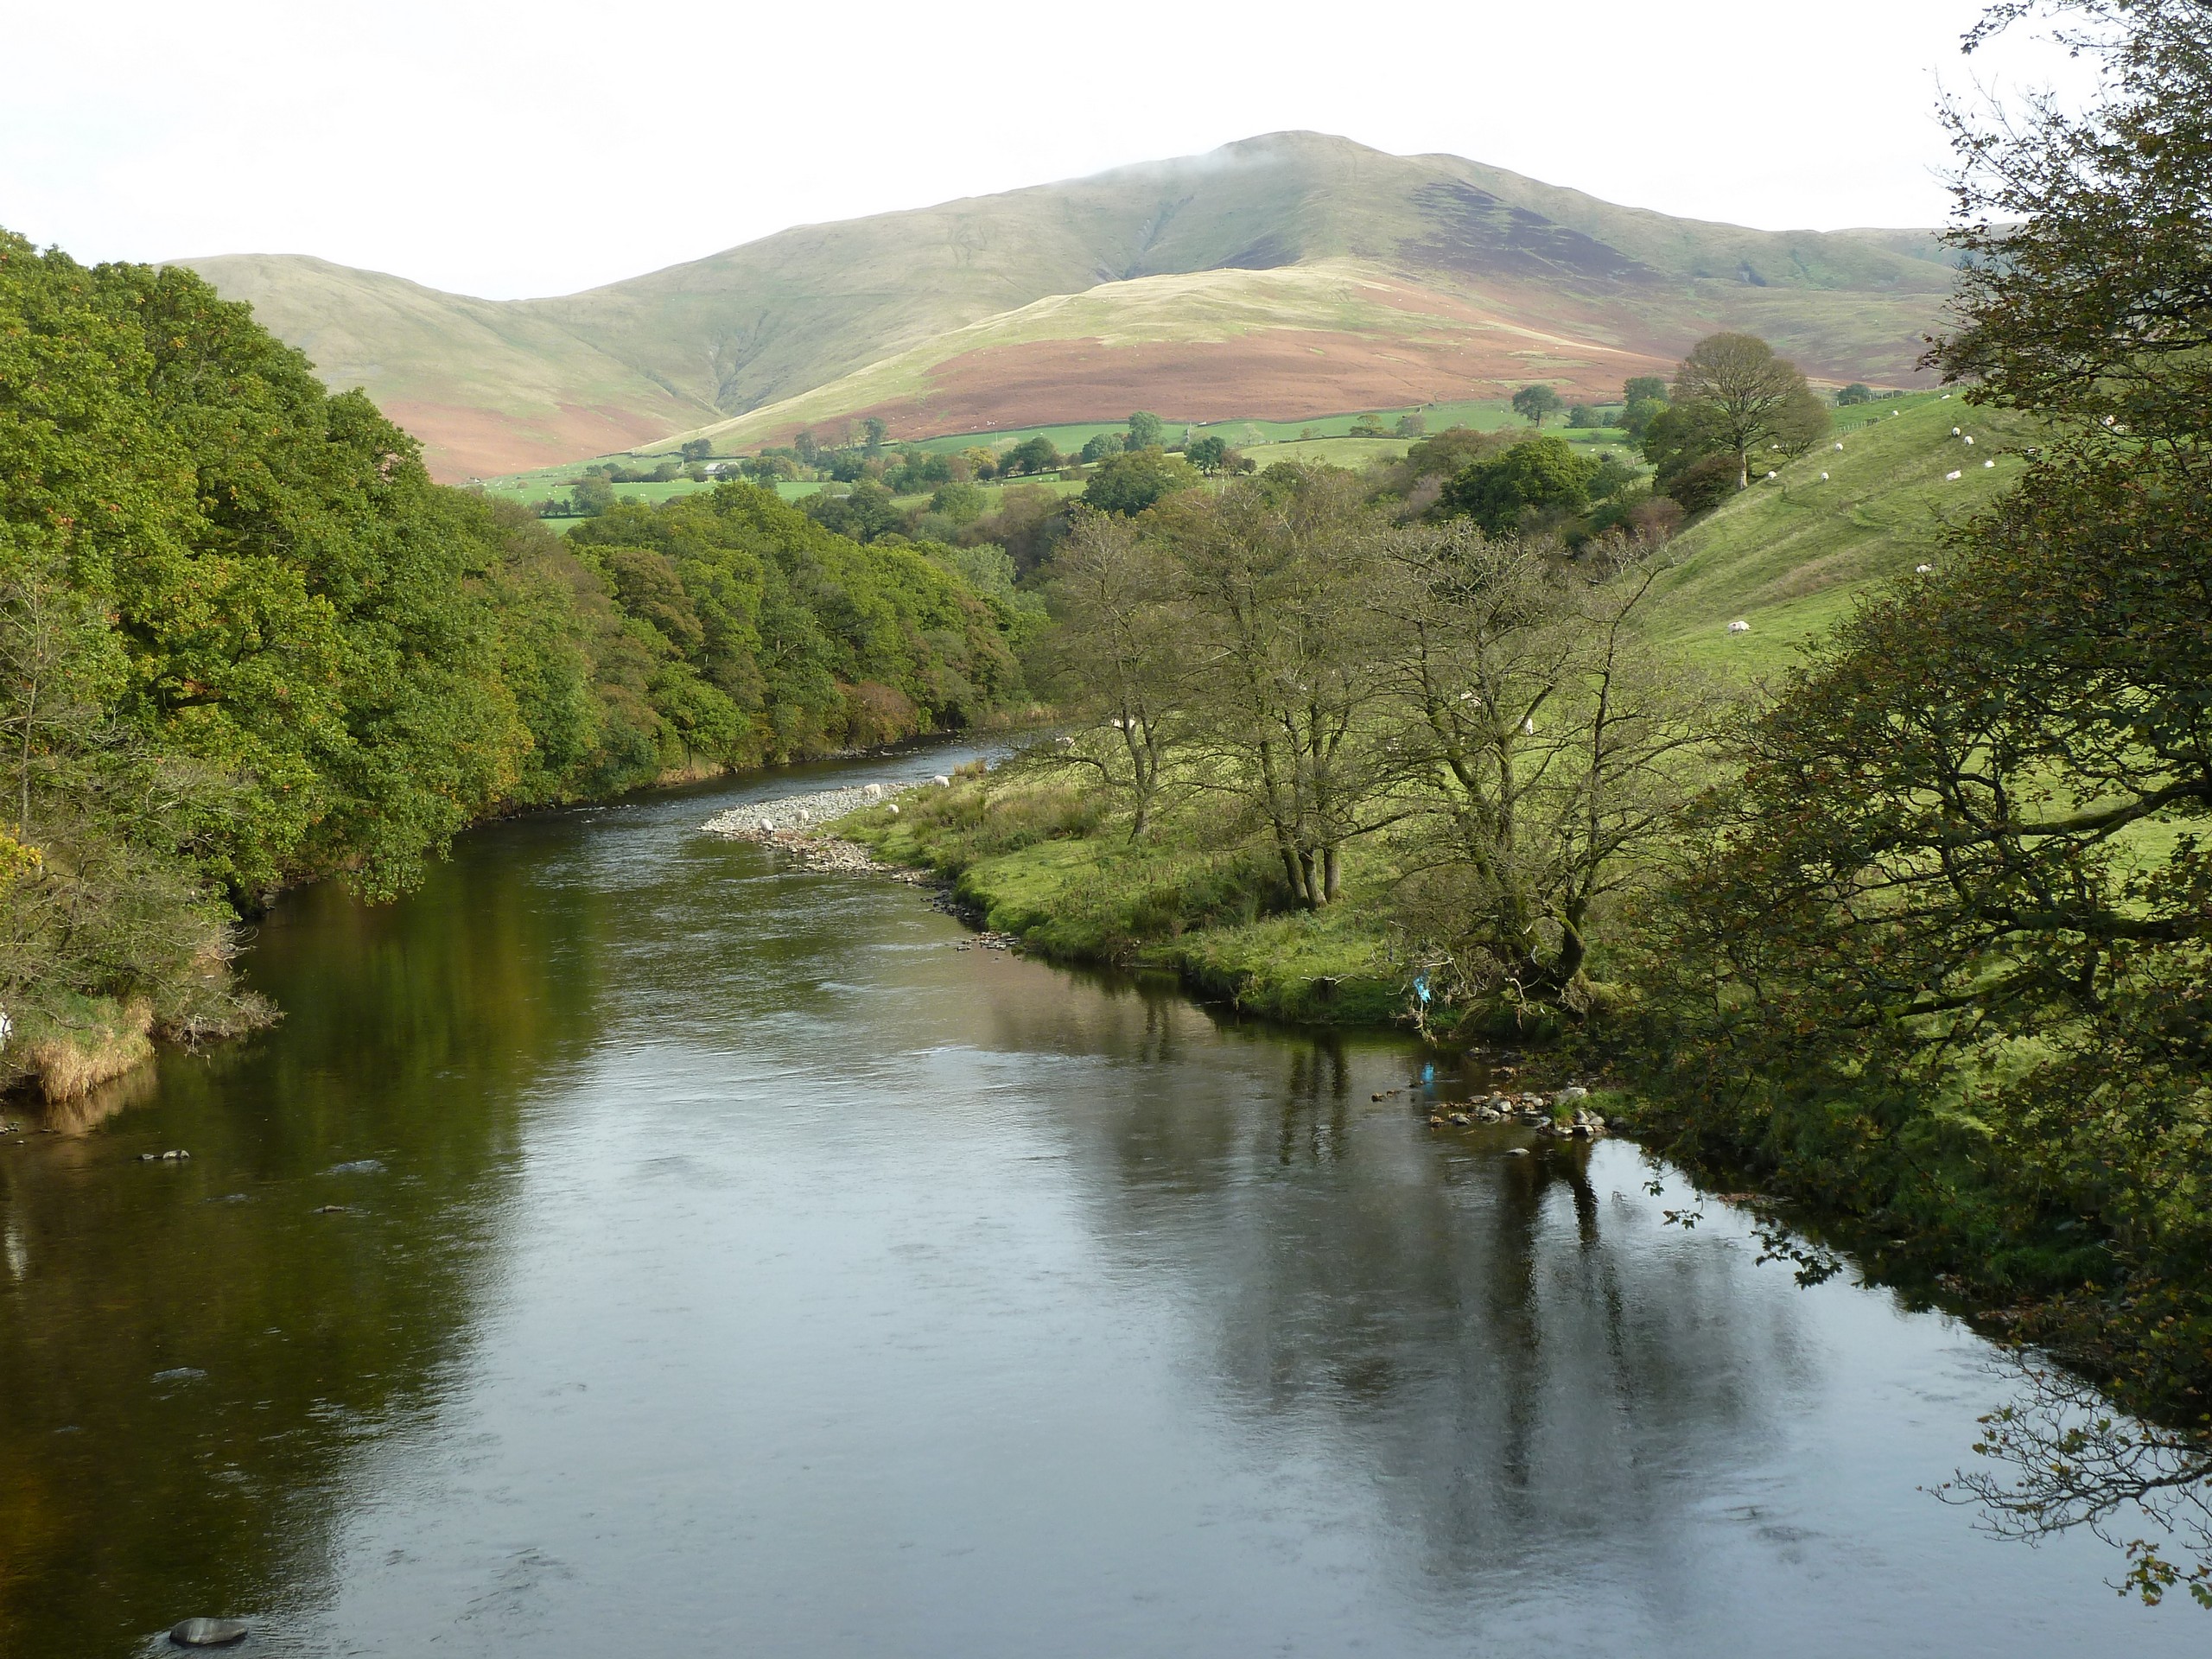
(1035,858)
(70,1052)
(1920,1198)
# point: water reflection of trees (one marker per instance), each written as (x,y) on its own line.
(129,1498)
(2058,1457)
(1503,1345)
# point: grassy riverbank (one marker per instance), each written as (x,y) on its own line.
(1037,856)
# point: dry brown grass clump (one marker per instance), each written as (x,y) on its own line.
(69,1064)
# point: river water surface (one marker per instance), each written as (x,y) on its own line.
(727,1264)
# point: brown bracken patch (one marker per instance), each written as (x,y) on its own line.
(1276,375)
(459,443)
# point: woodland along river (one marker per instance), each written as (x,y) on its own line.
(728,1264)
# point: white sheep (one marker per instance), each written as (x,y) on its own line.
(1824,478)
(1989,463)
(1952,478)
(1739,626)
(1955,431)
(1969,440)
(1839,448)
(1923,570)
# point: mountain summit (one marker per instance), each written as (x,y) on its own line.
(1286,276)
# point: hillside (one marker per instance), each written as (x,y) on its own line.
(1787,555)
(1292,275)
(482,384)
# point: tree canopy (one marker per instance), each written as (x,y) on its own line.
(1733,396)
(1952,932)
(245,642)
(1533,403)
(1135,479)
(1544,475)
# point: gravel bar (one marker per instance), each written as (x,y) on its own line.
(795,823)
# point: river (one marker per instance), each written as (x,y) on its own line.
(724,1262)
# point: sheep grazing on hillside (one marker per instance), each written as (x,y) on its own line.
(1969,440)
(1989,463)
(1955,431)
(1923,570)
(1739,626)
(1951,478)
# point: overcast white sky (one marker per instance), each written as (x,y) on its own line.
(504,149)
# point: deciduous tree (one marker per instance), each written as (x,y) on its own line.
(1548,748)
(1533,403)
(1732,394)
(1120,658)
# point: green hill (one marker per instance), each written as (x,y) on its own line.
(1787,555)
(1282,277)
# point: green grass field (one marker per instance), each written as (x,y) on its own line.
(1789,556)
(1325,438)
(1480,415)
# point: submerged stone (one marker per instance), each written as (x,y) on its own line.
(207,1633)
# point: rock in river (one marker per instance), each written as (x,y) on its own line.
(207,1633)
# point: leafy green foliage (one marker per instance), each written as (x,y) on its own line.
(773,636)
(244,642)
(863,513)
(1533,403)
(1733,396)
(1949,947)
(960,503)
(1541,476)
(1032,456)
(1130,482)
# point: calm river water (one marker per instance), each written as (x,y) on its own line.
(728,1265)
